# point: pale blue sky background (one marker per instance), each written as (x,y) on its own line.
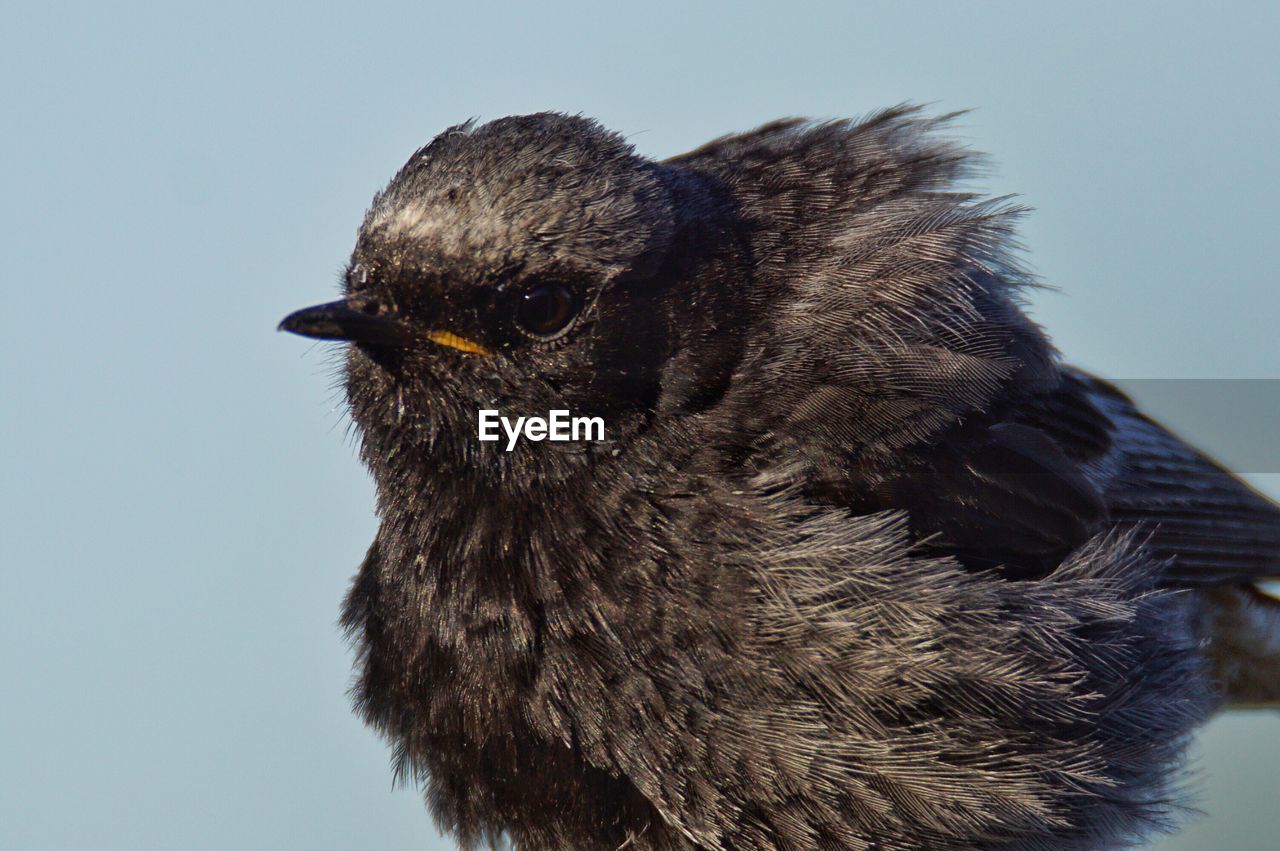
(181,510)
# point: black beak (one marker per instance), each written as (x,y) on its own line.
(338,320)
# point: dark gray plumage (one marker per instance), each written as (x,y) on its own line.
(860,565)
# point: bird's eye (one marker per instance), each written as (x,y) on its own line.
(545,310)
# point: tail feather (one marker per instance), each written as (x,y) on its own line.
(1220,537)
(1244,644)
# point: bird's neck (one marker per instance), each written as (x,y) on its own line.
(470,590)
(478,556)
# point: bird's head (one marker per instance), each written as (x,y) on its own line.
(828,283)
(531,264)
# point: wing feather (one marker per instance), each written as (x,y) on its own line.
(1214,528)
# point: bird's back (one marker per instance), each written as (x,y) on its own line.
(904,376)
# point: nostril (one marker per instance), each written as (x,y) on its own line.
(367,306)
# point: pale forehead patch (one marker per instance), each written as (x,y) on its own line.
(447,227)
(508,201)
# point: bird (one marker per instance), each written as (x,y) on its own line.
(859,560)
